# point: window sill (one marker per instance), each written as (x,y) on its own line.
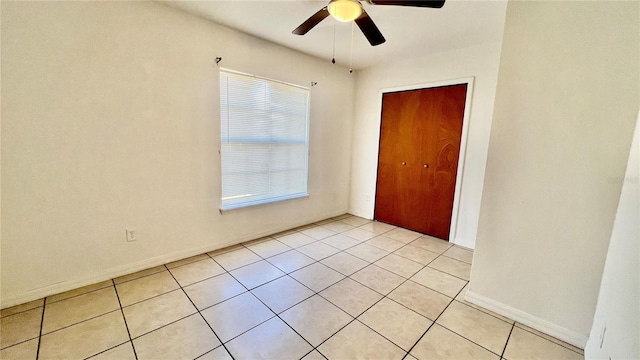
(228,208)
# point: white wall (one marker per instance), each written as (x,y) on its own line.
(615,333)
(566,103)
(480,62)
(110,120)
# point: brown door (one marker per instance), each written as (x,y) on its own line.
(418,160)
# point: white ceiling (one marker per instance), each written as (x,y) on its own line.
(410,31)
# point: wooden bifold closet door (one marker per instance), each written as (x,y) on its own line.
(418,159)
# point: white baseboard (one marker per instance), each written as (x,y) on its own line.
(469,244)
(569,336)
(109,274)
(363,214)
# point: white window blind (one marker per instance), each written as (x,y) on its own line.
(265,140)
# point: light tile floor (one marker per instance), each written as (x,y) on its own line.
(342,288)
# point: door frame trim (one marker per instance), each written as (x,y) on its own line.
(463,137)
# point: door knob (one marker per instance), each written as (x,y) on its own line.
(426,166)
(404,163)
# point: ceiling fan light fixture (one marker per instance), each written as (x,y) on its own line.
(345,10)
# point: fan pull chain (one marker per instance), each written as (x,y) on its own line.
(353,25)
(333,59)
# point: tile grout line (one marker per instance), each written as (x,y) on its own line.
(356,318)
(120,304)
(163,326)
(169,270)
(433,323)
(269,238)
(226,271)
(44,304)
(111,348)
(452,258)
(317,348)
(163,265)
(84,293)
(507,342)
(376,331)
(464,337)
(71,325)
(61,328)
(369,263)
(292,278)
(302,267)
(484,311)
(468,339)
(444,272)
(403,246)
(218,303)
(262,302)
(542,337)
(140,277)
(126,325)
(288,274)
(21,311)
(200,313)
(385,296)
(151,297)
(353,318)
(319,261)
(266,259)
(403,282)
(187,263)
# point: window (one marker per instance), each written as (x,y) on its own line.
(265,140)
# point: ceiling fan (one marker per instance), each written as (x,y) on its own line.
(352,10)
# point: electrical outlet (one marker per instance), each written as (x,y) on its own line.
(131,235)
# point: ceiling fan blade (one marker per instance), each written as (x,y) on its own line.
(417,3)
(311,22)
(369,29)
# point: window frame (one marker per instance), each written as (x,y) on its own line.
(271,199)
